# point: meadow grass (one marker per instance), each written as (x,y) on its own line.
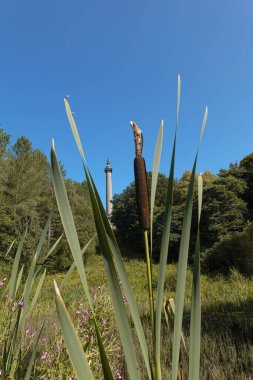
(227,318)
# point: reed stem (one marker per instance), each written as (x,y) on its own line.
(150,287)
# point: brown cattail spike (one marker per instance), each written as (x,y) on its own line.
(140,174)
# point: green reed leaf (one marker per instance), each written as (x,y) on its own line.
(195,326)
(68,221)
(20,275)
(43,238)
(51,250)
(110,251)
(156,164)
(14,271)
(114,288)
(9,249)
(32,358)
(165,247)
(37,292)
(73,266)
(72,341)
(182,263)
(73,241)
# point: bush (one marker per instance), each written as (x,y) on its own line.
(234,251)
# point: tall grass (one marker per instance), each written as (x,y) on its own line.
(20,297)
(115,271)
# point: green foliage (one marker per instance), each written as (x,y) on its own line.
(218,217)
(26,198)
(17,353)
(234,251)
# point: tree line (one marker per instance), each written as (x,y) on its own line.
(227,216)
(27,199)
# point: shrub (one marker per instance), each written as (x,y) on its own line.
(234,251)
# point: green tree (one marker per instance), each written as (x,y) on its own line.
(233,251)
(218,217)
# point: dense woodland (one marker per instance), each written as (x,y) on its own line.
(226,221)
(27,198)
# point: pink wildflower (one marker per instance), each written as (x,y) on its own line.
(118,375)
(21,303)
(44,356)
(84,319)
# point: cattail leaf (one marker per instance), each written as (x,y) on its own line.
(9,249)
(165,245)
(72,341)
(156,164)
(14,271)
(37,292)
(125,283)
(203,125)
(117,258)
(51,250)
(74,129)
(114,288)
(73,266)
(27,290)
(195,325)
(32,359)
(73,241)
(178,95)
(68,221)
(43,238)
(182,265)
(20,275)
(30,278)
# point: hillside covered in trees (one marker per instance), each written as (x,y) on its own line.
(227,217)
(27,199)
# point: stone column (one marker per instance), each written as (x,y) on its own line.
(108,172)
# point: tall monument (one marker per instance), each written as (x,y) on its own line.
(108,173)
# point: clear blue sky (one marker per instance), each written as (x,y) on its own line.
(118,60)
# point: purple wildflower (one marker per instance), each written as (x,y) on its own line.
(21,303)
(84,319)
(118,375)
(44,356)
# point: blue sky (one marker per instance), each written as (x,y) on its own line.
(118,60)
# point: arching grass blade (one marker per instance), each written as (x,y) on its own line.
(182,263)
(165,248)
(113,246)
(156,164)
(72,341)
(15,266)
(195,326)
(73,266)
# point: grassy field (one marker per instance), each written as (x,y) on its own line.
(227,323)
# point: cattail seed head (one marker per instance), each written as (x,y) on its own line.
(141,187)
